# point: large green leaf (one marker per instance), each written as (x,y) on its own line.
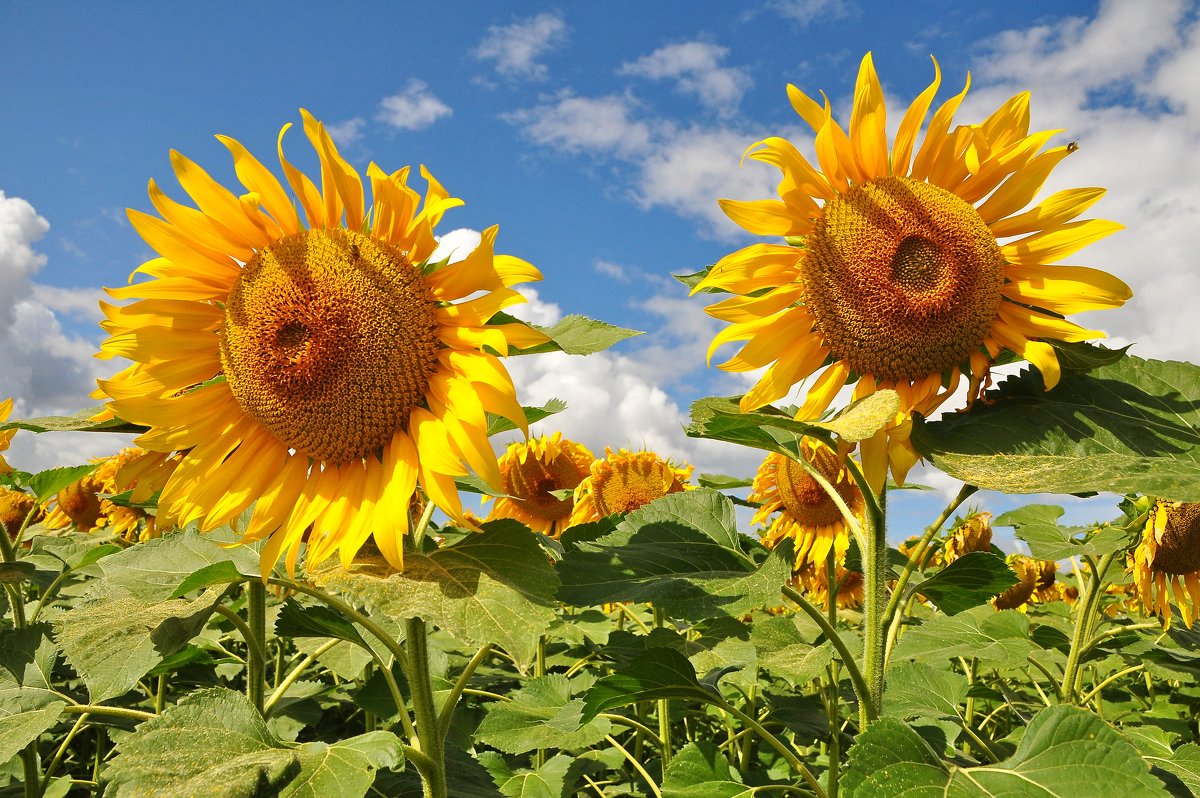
(681,552)
(969,581)
(1001,638)
(700,770)
(1037,525)
(1065,752)
(24,714)
(492,587)
(346,768)
(915,689)
(784,652)
(545,713)
(658,673)
(1183,763)
(547,781)
(579,335)
(164,568)
(113,638)
(76,422)
(27,656)
(1131,426)
(46,484)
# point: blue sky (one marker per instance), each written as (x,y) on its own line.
(599,140)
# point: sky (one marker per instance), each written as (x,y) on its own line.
(598,138)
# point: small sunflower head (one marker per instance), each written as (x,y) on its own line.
(80,503)
(532,472)
(1028,571)
(973,533)
(15,507)
(849,584)
(1167,560)
(624,481)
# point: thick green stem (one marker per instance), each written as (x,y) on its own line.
(866,705)
(256,663)
(294,674)
(116,712)
(664,706)
(431,741)
(833,700)
(1083,626)
(60,753)
(875,596)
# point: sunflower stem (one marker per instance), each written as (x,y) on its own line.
(865,705)
(432,743)
(833,702)
(875,597)
(1083,626)
(664,705)
(256,620)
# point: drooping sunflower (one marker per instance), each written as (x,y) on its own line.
(972,532)
(531,471)
(902,270)
(1029,571)
(1166,562)
(813,579)
(15,507)
(320,366)
(807,513)
(84,504)
(624,481)
(6,436)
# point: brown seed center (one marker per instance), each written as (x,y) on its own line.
(1179,550)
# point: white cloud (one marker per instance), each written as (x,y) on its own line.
(46,370)
(594,125)
(697,68)
(346,133)
(412,108)
(515,48)
(610,269)
(808,11)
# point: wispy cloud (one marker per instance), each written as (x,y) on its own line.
(807,12)
(613,270)
(515,48)
(347,133)
(413,108)
(697,69)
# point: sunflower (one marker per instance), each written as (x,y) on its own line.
(531,471)
(15,507)
(317,368)
(1168,556)
(6,436)
(972,533)
(812,578)
(906,271)
(809,516)
(85,506)
(1029,571)
(624,481)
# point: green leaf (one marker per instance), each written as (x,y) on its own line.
(296,620)
(76,422)
(1083,356)
(27,656)
(212,743)
(1066,751)
(1183,763)
(579,335)
(346,768)
(1132,426)
(863,418)
(498,424)
(24,714)
(971,580)
(723,482)
(915,689)
(1037,525)
(47,484)
(784,652)
(492,587)
(700,770)
(683,553)
(545,713)
(693,279)
(719,419)
(163,568)
(548,781)
(658,673)
(113,638)
(890,759)
(994,637)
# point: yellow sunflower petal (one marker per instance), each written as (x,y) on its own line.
(216,201)
(936,137)
(1056,244)
(1065,289)
(1020,189)
(911,123)
(868,122)
(764,217)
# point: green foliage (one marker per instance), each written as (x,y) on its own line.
(1130,426)
(1001,638)
(1037,525)
(25,713)
(545,713)
(176,564)
(657,673)
(76,422)
(498,424)
(700,770)
(969,581)
(575,335)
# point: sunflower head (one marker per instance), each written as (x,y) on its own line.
(807,514)
(532,472)
(907,266)
(972,533)
(6,436)
(849,584)
(1166,561)
(623,481)
(296,348)
(1029,572)
(15,507)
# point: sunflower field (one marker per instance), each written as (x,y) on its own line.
(281,588)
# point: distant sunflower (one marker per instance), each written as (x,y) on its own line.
(531,471)
(1029,571)
(624,481)
(6,436)
(1166,563)
(318,369)
(849,586)
(969,534)
(906,272)
(15,508)
(84,504)
(808,515)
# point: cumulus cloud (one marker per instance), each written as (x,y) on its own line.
(515,48)
(44,368)
(592,125)
(697,69)
(412,108)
